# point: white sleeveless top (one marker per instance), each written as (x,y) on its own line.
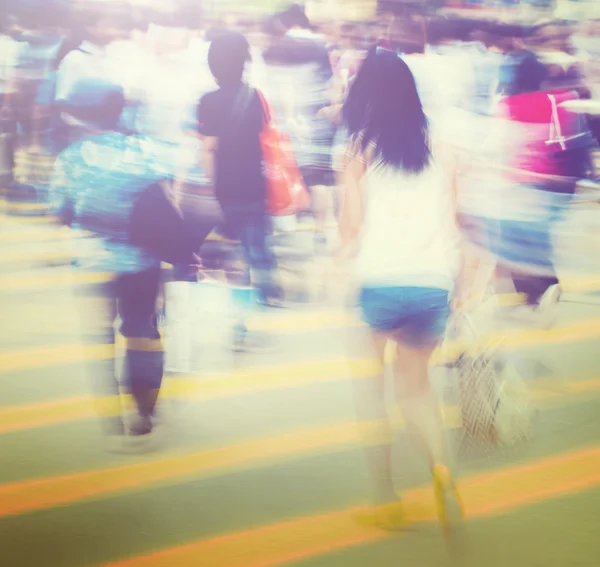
(409,236)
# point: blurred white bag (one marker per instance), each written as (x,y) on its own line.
(494,400)
(178,326)
(198,327)
(515,411)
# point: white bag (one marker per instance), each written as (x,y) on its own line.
(495,404)
(198,327)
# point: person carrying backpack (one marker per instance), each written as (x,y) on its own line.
(548,150)
(98,184)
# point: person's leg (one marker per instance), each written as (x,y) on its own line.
(427,313)
(376,434)
(374,425)
(375,430)
(318,180)
(144,355)
(96,307)
(238,272)
(259,257)
(417,399)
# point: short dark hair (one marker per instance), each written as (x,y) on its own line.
(228,54)
(295,16)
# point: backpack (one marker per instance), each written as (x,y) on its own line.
(562,139)
(129,203)
(570,139)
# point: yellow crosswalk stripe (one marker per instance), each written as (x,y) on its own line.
(53,412)
(40,494)
(27,416)
(63,279)
(29,359)
(485,494)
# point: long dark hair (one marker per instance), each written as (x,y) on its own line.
(383,108)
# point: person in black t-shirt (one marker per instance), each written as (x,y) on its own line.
(230,121)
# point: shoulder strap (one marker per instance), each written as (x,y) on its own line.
(241,103)
(555,127)
(267,114)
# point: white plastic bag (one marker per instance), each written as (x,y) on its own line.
(494,400)
(198,327)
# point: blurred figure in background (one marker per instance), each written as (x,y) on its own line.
(587,44)
(549,151)
(175,76)
(41,40)
(515,43)
(34,110)
(96,183)
(398,218)
(230,121)
(555,48)
(10,47)
(300,86)
(94,27)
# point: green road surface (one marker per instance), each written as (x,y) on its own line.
(259,462)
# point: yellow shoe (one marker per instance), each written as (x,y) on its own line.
(447,499)
(385,517)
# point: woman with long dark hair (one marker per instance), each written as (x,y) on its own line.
(397,220)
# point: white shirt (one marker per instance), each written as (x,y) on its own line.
(173,84)
(409,235)
(441,81)
(127,62)
(89,61)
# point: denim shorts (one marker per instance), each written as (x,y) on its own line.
(421,312)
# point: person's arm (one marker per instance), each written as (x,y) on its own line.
(209,151)
(208,129)
(352,212)
(332,113)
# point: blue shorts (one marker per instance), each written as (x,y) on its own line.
(421,312)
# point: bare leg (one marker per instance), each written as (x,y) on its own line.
(424,423)
(418,401)
(374,424)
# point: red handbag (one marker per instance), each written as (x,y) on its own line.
(286,190)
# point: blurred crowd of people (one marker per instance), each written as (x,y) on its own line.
(437,143)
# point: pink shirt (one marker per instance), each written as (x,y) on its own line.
(546,128)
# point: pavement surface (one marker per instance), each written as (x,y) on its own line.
(258,462)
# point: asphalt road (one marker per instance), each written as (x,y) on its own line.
(258,463)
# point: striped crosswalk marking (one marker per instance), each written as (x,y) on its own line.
(300,539)
(29,496)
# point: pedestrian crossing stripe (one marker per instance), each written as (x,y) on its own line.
(13,418)
(300,539)
(29,359)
